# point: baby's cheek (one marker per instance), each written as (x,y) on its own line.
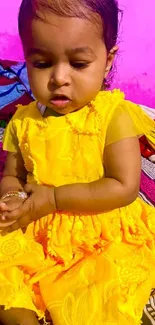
(40,84)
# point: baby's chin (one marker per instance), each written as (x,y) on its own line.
(62,110)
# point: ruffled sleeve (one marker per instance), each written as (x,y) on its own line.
(129,120)
(14,131)
(10,141)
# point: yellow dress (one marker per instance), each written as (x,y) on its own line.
(86,270)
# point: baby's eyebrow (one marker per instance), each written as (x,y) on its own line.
(33,51)
(79,50)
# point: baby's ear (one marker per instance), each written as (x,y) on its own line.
(110,59)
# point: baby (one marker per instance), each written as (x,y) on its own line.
(76,240)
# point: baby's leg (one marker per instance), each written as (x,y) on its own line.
(18,316)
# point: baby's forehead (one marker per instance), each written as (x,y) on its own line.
(57,23)
(64,32)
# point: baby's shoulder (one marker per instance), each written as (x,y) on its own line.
(113,103)
(107,102)
(25,111)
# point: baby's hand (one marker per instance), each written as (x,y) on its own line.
(41,202)
(7,205)
(10,203)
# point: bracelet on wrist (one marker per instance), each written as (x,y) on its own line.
(20,194)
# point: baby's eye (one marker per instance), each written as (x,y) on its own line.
(79,65)
(42,65)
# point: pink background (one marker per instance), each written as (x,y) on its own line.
(135,64)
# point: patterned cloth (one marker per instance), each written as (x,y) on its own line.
(149,312)
(147,189)
(14,89)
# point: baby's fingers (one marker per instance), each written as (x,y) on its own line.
(3,206)
(19,224)
(3,210)
(19,212)
(6,224)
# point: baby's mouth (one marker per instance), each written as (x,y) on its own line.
(60,100)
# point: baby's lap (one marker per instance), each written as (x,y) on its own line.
(102,274)
(17,248)
(113,254)
(115,266)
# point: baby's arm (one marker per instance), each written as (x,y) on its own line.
(14,179)
(119,188)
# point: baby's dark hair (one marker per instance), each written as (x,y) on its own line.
(108,11)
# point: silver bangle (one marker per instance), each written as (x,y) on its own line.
(22,195)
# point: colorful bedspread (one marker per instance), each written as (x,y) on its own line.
(15,89)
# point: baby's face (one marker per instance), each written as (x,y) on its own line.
(66,61)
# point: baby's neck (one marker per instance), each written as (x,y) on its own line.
(50,112)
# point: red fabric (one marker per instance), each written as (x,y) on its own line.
(146,149)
